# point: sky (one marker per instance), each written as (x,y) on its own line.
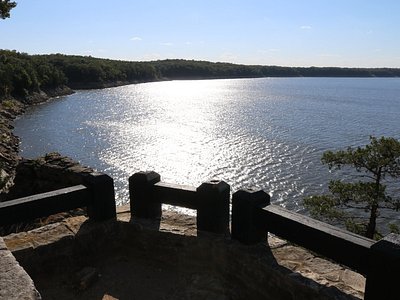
(342,33)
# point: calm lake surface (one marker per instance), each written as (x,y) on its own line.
(268,133)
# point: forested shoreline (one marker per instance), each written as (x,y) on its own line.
(22,75)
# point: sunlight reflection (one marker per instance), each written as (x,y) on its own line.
(171,131)
(193,131)
(263,133)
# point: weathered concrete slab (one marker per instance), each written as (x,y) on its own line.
(15,283)
(23,243)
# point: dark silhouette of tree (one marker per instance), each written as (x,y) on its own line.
(374,162)
(5,7)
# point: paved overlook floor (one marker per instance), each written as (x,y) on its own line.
(167,260)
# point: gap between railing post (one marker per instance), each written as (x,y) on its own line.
(142,202)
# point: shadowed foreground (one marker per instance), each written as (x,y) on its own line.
(77,259)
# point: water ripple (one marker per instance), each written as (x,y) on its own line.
(264,133)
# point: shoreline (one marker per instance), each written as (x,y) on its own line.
(9,143)
(11,108)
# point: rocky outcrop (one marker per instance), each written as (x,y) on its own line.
(50,172)
(44,95)
(9,158)
(10,108)
(34,176)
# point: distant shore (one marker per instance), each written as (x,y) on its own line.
(27,74)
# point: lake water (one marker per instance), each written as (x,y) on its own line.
(268,133)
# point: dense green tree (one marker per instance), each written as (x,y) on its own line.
(374,163)
(49,76)
(5,7)
(23,74)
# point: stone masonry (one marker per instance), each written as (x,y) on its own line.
(15,283)
(167,259)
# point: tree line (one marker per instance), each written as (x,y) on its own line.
(179,68)
(22,74)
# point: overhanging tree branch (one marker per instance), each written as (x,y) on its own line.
(5,7)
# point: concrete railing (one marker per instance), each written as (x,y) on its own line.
(97,194)
(210,200)
(253,217)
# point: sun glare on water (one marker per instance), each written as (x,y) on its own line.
(172,131)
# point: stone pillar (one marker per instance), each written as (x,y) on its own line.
(213,207)
(244,203)
(102,205)
(141,197)
(384,265)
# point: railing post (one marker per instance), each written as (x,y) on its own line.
(140,193)
(102,203)
(384,265)
(244,203)
(213,207)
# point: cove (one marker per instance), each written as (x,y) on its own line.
(266,133)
